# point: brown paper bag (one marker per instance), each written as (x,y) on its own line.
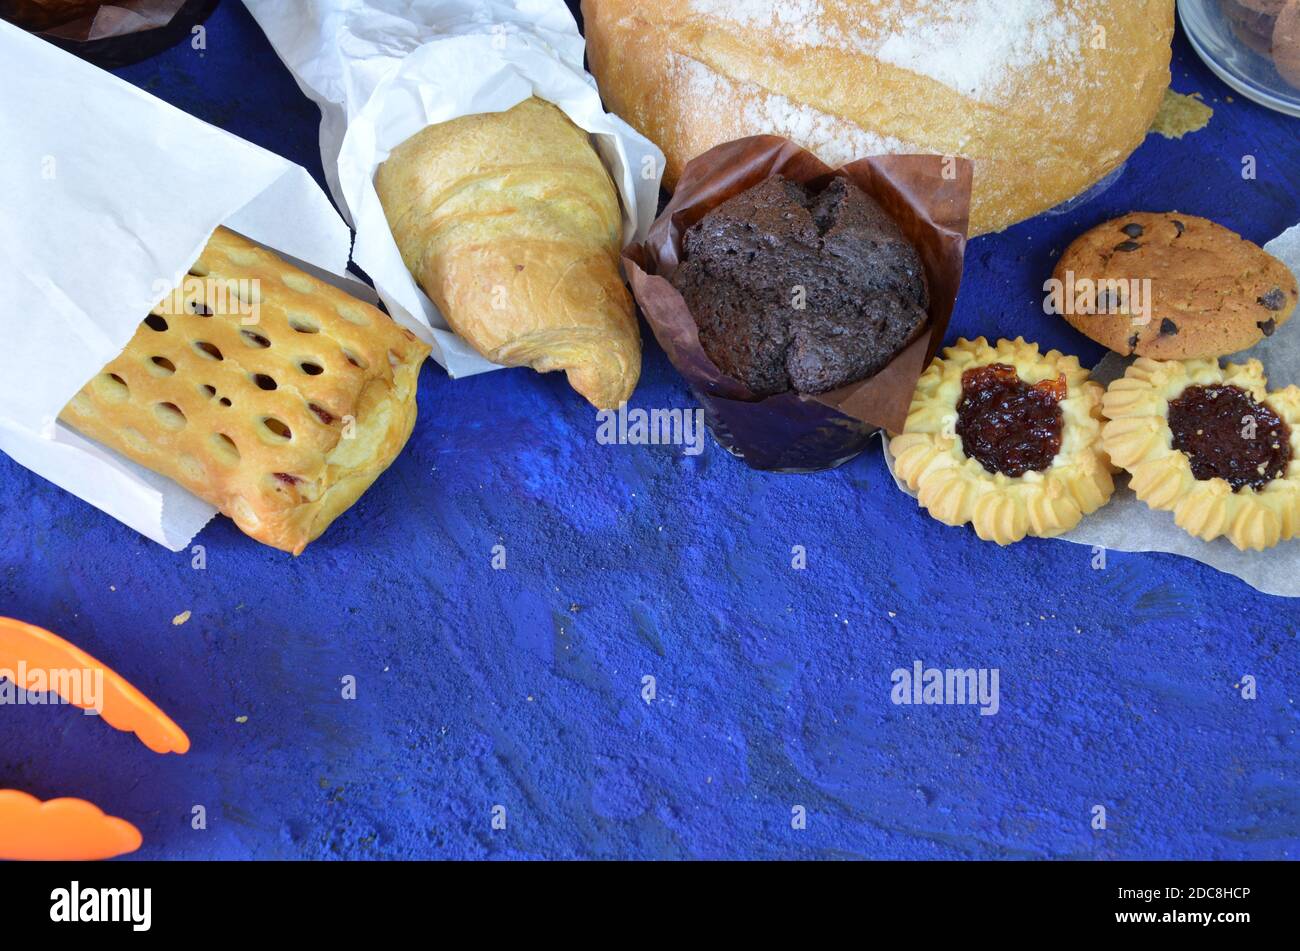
(113,33)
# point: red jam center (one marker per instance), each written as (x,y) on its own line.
(1226,435)
(1007,425)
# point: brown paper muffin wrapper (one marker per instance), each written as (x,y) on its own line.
(113,33)
(927,195)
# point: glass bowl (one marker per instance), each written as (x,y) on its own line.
(1239,40)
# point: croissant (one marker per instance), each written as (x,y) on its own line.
(512,226)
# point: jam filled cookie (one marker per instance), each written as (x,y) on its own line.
(1211,445)
(1006,438)
(1172,287)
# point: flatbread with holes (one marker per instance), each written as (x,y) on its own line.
(272,395)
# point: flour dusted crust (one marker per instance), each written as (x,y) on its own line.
(272,395)
(1045,96)
(1138,438)
(956,489)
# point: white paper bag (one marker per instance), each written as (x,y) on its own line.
(106,195)
(382,70)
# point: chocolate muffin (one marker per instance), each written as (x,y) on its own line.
(799,291)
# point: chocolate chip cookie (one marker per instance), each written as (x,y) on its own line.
(1171,287)
(1286,43)
(1271,28)
(1253,24)
(1264,8)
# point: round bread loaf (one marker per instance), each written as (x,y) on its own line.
(1045,96)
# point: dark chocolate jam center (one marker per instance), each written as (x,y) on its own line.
(1007,425)
(1226,435)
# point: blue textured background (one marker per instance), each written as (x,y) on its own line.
(522,687)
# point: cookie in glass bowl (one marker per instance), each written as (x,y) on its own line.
(1210,444)
(1007,439)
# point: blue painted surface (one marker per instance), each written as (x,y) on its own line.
(522,687)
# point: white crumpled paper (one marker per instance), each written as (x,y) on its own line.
(105,193)
(1127,524)
(382,70)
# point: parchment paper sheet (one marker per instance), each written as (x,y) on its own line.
(382,70)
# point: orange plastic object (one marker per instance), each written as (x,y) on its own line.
(61,830)
(123,707)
